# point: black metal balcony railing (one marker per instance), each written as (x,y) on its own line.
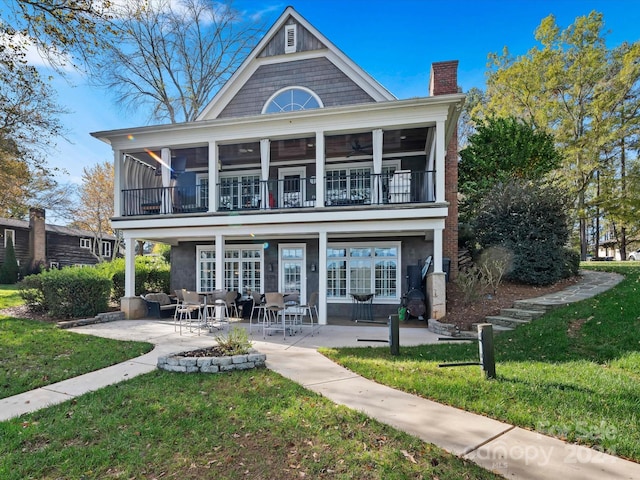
(293,192)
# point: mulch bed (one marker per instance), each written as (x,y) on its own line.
(465,314)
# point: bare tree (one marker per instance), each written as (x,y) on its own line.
(172,56)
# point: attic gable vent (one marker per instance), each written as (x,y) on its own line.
(290,39)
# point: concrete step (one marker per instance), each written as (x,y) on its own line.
(506,321)
(521,314)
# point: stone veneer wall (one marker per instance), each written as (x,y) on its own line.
(180,363)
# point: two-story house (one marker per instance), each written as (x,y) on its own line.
(303,173)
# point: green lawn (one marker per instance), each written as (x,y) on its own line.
(35,354)
(9,296)
(574,374)
(249,424)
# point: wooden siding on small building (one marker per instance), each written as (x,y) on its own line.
(317,74)
(66,251)
(21,246)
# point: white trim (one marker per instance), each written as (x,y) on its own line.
(390,244)
(226,248)
(9,232)
(285,171)
(303,272)
(251,64)
(86,243)
(290,38)
(293,87)
(105,252)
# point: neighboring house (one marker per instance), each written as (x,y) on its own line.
(51,246)
(303,173)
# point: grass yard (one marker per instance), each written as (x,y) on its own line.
(248,424)
(35,354)
(573,374)
(9,296)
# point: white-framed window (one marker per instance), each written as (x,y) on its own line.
(290,34)
(243,267)
(85,243)
(106,249)
(362,269)
(291,99)
(292,271)
(353,183)
(240,191)
(9,234)
(291,190)
(202,185)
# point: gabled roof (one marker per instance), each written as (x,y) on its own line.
(59,229)
(253,61)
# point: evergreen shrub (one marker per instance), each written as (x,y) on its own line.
(530,220)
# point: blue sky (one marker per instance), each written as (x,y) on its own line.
(395,42)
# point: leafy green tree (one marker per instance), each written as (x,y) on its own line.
(9,272)
(502,149)
(572,85)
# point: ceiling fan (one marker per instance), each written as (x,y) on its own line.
(357,149)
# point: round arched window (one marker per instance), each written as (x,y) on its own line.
(292,99)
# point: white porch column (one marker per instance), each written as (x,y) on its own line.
(132,306)
(437,250)
(219,262)
(436,281)
(214,175)
(377,137)
(440,154)
(118,182)
(129,267)
(165,156)
(322,278)
(320,161)
(265,160)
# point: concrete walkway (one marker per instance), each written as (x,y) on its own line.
(510,451)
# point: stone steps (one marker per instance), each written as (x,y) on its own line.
(521,313)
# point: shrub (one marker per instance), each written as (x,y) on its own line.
(30,290)
(72,292)
(494,263)
(471,283)
(10,270)
(236,342)
(530,220)
(571,263)
(153,274)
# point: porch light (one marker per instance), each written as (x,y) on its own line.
(313,267)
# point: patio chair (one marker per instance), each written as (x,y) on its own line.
(274,309)
(191,303)
(230,300)
(258,306)
(308,309)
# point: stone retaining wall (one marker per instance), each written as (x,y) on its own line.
(100,318)
(179,363)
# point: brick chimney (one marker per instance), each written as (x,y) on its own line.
(444,78)
(443,81)
(37,238)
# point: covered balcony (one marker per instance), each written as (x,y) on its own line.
(360,169)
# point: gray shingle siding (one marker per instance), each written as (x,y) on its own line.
(317,74)
(305,42)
